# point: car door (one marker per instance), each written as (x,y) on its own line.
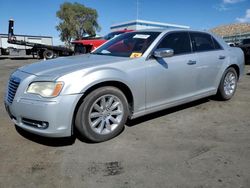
(210,57)
(171,79)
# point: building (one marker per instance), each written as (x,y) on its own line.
(233,32)
(143,24)
(237,38)
(4,45)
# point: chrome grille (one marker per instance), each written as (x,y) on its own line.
(12,88)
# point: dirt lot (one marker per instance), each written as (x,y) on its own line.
(202,144)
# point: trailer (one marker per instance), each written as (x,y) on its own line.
(42,51)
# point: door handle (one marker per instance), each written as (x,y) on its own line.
(191,62)
(222,57)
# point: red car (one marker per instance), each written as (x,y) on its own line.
(87,45)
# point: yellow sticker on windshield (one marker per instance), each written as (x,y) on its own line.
(135,55)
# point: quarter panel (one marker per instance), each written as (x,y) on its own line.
(234,56)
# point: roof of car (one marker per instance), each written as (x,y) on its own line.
(169,30)
(124,30)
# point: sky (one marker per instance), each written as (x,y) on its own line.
(38,17)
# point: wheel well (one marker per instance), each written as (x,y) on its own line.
(237,69)
(123,87)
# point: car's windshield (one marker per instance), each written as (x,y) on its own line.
(112,35)
(131,45)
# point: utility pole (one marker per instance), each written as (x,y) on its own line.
(137,9)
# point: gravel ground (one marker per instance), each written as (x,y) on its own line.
(202,144)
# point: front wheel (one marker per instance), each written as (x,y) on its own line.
(102,114)
(228,84)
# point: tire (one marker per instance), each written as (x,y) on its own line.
(84,50)
(56,54)
(48,54)
(102,114)
(228,84)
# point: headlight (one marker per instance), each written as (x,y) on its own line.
(45,89)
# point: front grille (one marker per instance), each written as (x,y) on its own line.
(12,88)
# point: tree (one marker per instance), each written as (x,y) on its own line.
(76,20)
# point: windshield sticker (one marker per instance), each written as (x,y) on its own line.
(135,55)
(141,36)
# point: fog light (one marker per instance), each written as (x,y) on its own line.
(35,123)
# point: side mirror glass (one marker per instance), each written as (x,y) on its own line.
(163,52)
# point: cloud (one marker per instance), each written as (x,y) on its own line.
(246,18)
(221,7)
(226,5)
(232,1)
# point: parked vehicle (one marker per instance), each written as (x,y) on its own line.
(1,51)
(245,46)
(134,74)
(246,41)
(231,44)
(89,44)
(42,51)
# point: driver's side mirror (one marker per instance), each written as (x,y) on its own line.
(163,52)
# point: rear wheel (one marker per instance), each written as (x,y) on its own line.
(228,84)
(48,54)
(102,114)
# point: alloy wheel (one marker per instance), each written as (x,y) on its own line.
(105,114)
(230,83)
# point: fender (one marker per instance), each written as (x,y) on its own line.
(93,77)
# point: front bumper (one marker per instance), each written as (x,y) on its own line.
(57,113)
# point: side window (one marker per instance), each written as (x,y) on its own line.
(178,41)
(217,46)
(201,42)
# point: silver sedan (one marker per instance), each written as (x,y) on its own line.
(131,75)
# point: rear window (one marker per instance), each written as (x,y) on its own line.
(201,42)
(217,46)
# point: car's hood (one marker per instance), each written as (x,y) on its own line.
(61,66)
